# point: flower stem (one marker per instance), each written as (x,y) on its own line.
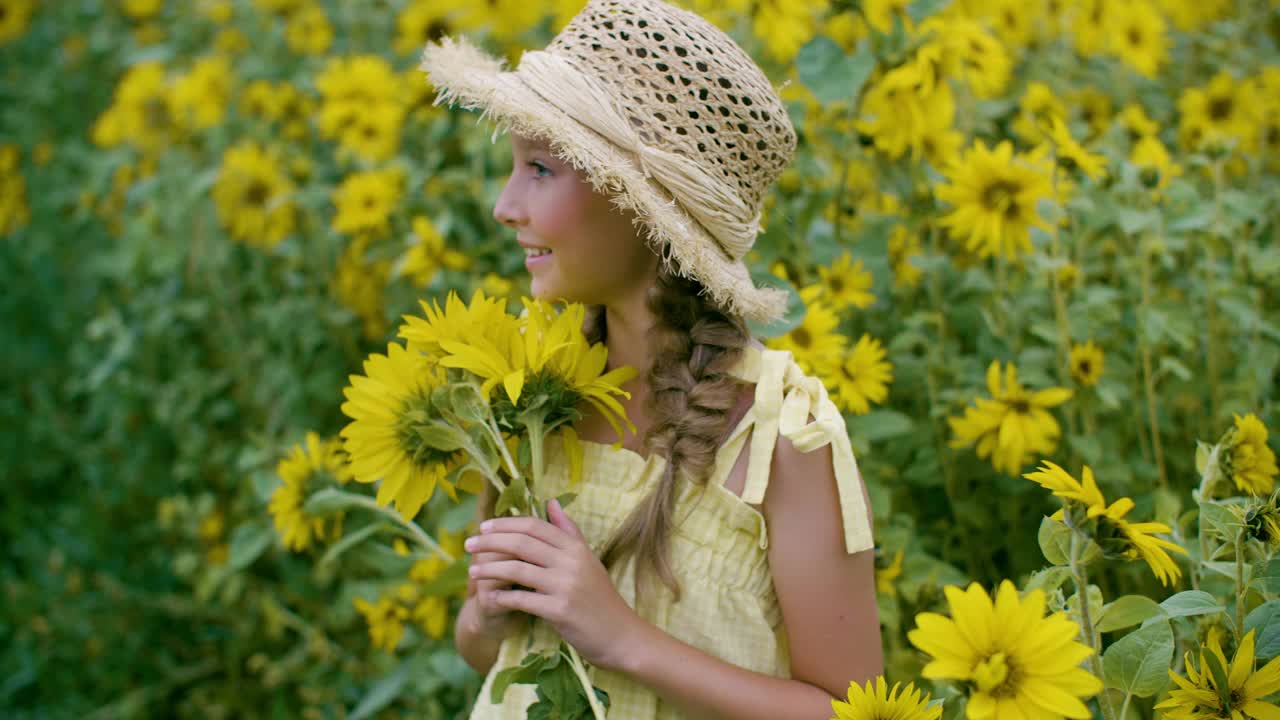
(1240,588)
(580,670)
(1148,375)
(1080,577)
(414,529)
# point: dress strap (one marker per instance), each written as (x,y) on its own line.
(785,398)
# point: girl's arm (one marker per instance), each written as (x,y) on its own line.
(827,598)
(828,607)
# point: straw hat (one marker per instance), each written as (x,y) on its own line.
(662,111)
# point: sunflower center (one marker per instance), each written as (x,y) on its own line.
(434,30)
(993,674)
(257,193)
(1001,197)
(156,113)
(1220,108)
(800,336)
(1020,405)
(1135,37)
(836,284)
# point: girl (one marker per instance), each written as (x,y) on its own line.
(718,563)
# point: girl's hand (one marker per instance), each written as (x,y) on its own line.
(570,588)
(491,620)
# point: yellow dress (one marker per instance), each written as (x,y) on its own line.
(719,549)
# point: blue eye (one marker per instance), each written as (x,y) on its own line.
(539,166)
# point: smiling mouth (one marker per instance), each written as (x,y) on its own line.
(536,252)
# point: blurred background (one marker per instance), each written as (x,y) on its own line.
(1063,212)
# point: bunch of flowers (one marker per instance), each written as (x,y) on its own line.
(470,399)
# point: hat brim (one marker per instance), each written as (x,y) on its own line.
(466,76)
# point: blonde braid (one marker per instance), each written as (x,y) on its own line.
(691,396)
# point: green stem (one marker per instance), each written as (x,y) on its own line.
(1148,375)
(1203,495)
(414,529)
(1240,588)
(1080,577)
(580,670)
(1211,312)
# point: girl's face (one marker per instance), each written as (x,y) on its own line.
(597,255)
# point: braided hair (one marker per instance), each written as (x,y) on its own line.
(692,394)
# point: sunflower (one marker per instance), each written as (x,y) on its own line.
(350,86)
(374,135)
(428,255)
(421,22)
(971,54)
(15,16)
(365,200)
(1014,425)
(1217,689)
(863,378)
(1138,36)
(139,114)
(359,285)
(1156,168)
(1036,110)
(141,9)
(1071,156)
(1250,462)
(1116,536)
(846,283)
(995,194)
(1013,661)
(1138,124)
(1220,112)
(815,343)
(1086,363)
(386,621)
(886,576)
(198,99)
(483,317)
(1089,27)
(253,196)
(1095,109)
(14,210)
(548,354)
(907,104)
(307,467)
(385,405)
(876,701)
(308,31)
(903,246)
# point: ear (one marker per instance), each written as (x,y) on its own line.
(558,517)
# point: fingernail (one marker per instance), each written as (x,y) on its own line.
(470,544)
(486,526)
(473,570)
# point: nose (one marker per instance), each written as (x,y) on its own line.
(507,210)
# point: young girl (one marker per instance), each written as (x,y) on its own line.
(718,563)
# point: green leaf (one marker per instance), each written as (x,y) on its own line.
(514,495)
(350,541)
(880,425)
(1138,663)
(451,580)
(1127,611)
(382,694)
(565,498)
(919,10)
(248,541)
(1219,673)
(468,403)
(1219,519)
(1190,602)
(1048,579)
(831,75)
(331,500)
(1055,541)
(1265,619)
(526,672)
(1266,576)
(442,436)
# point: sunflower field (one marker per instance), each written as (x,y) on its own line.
(1032,248)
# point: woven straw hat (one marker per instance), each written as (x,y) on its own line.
(659,109)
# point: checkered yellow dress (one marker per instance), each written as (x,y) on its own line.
(719,549)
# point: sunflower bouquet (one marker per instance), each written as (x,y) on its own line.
(470,398)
